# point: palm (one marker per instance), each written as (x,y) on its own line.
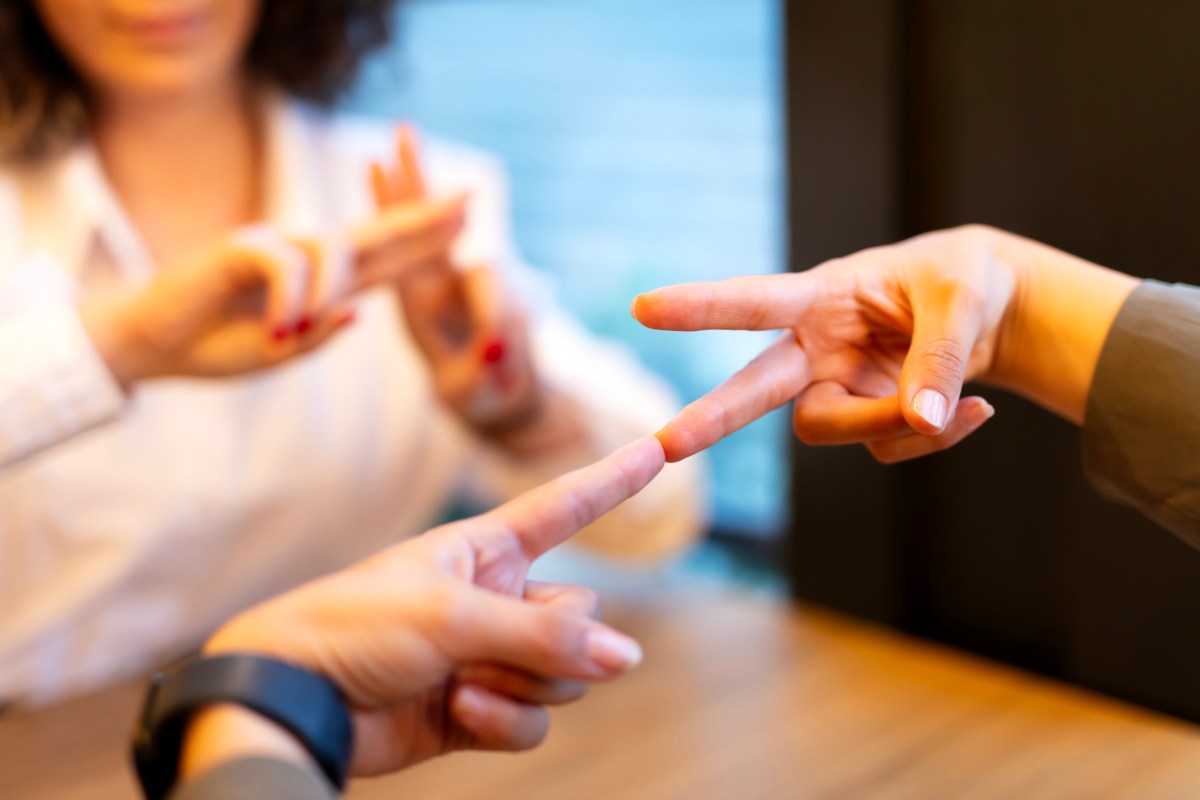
(858,340)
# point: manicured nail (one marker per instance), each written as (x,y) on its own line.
(986,411)
(493,352)
(304,325)
(612,650)
(346,319)
(280,334)
(931,407)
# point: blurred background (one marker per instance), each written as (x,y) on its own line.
(644,147)
(656,142)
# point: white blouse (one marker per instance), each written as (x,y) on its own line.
(130,526)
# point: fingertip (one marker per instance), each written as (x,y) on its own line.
(676,444)
(976,410)
(644,456)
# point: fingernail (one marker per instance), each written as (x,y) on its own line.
(633,308)
(612,650)
(279,334)
(468,702)
(304,325)
(347,319)
(987,411)
(931,407)
(493,352)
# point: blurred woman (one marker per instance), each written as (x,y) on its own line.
(140,505)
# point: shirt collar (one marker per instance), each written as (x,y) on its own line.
(80,211)
(296,198)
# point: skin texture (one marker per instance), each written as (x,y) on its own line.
(440,643)
(880,343)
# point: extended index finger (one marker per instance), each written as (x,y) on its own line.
(751,303)
(550,514)
(778,374)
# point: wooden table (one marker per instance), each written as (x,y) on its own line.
(739,698)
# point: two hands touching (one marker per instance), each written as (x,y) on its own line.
(440,643)
(261,298)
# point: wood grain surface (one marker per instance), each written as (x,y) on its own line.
(739,698)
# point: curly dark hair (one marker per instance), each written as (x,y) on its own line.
(309,48)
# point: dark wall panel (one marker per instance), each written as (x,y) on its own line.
(1076,122)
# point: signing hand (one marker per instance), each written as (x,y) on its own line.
(880,342)
(253,301)
(471,335)
(431,641)
(877,350)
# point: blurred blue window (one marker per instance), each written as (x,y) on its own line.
(643,140)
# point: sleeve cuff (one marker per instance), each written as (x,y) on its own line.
(53,382)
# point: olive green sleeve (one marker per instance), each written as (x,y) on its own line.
(1142,425)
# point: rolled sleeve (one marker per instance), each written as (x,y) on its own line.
(1142,424)
(53,382)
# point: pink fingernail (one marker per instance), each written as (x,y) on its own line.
(612,650)
(930,406)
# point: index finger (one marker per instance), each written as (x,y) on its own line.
(550,514)
(775,376)
(751,303)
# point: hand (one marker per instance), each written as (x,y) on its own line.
(431,640)
(255,300)
(472,337)
(881,342)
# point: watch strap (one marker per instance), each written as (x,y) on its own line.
(307,705)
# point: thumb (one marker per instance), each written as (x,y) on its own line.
(944,333)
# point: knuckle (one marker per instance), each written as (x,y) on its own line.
(943,357)
(804,429)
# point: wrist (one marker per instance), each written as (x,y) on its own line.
(553,424)
(228,732)
(1061,310)
(110,323)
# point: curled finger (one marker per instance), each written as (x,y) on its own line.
(497,722)
(970,414)
(522,686)
(284,268)
(827,414)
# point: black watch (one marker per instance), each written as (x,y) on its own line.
(307,705)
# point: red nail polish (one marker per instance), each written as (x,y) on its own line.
(303,326)
(279,334)
(494,352)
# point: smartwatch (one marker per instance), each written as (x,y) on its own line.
(307,705)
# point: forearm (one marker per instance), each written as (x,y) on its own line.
(1054,331)
(107,321)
